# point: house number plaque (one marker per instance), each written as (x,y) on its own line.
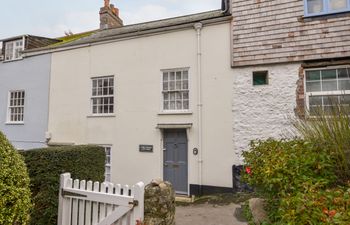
(146,148)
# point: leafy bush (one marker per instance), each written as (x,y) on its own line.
(14,186)
(295,176)
(45,167)
(285,167)
(332,130)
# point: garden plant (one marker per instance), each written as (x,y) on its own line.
(305,180)
(15,202)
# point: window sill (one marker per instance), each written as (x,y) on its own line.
(326,14)
(14,123)
(175,113)
(101,116)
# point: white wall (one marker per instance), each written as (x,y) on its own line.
(136,65)
(261,112)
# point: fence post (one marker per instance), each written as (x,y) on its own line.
(63,204)
(139,195)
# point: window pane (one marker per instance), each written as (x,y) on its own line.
(315,6)
(344,99)
(185,85)
(344,84)
(172,75)
(185,75)
(178,75)
(172,85)
(185,95)
(178,85)
(343,73)
(313,75)
(329,85)
(186,104)
(315,100)
(178,104)
(172,105)
(331,100)
(166,96)
(165,86)
(165,76)
(313,86)
(166,105)
(337,4)
(178,96)
(172,96)
(329,74)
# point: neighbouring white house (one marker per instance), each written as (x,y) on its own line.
(156,95)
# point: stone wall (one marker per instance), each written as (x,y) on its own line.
(261,112)
(159,203)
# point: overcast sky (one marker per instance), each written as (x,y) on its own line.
(52,18)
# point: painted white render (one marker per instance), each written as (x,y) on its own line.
(136,65)
(261,112)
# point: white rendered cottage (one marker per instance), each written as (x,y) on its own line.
(157,95)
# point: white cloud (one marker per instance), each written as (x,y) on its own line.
(73,21)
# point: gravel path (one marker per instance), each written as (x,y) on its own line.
(207,214)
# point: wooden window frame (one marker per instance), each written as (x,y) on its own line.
(19,115)
(309,94)
(180,91)
(102,97)
(14,50)
(326,9)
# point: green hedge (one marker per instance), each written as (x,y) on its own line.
(14,186)
(45,167)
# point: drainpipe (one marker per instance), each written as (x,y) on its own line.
(198,27)
(225,6)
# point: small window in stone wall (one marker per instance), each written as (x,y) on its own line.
(260,78)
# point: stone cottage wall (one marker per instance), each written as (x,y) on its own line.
(261,112)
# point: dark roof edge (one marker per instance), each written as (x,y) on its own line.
(26,35)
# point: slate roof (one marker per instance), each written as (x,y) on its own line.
(135,30)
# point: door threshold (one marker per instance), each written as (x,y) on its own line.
(184,198)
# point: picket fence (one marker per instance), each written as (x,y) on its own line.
(88,203)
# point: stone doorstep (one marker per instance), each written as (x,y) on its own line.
(183,198)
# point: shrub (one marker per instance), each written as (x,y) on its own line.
(288,166)
(14,186)
(332,130)
(45,167)
(292,175)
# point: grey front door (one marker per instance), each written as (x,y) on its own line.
(175,159)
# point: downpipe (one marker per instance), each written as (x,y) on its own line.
(198,27)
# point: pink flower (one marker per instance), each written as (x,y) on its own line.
(248,170)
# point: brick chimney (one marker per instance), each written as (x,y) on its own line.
(109,16)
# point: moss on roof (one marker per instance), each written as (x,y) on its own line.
(70,38)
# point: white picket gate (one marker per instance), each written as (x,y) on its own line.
(88,203)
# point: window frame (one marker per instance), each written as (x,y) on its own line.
(9,107)
(323,93)
(108,164)
(14,49)
(92,97)
(175,111)
(326,10)
(267,76)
